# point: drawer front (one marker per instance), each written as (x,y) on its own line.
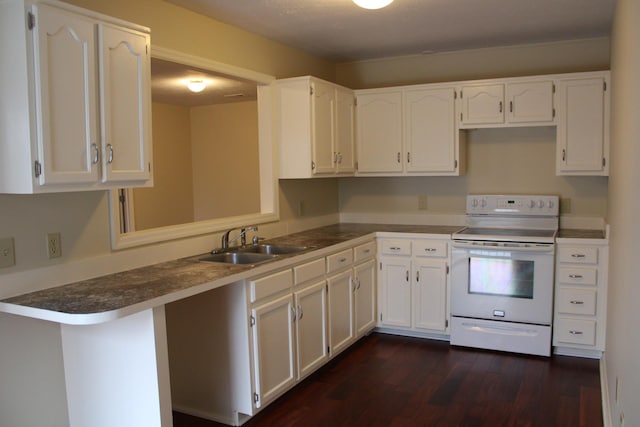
(340,260)
(578,255)
(364,252)
(577,301)
(581,276)
(270,285)
(395,247)
(576,331)
(430,248)
(308,271)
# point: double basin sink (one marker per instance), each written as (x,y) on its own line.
(255,254)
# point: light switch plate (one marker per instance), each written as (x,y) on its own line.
(7,252)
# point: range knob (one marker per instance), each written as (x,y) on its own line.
(474,203)
(532,203)
(550,204)
(483,203)
(541,204)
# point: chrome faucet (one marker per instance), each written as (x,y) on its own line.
(242,236)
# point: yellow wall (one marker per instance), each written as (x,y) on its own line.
(170,200)
(225,160)
(510,61)
(623,338)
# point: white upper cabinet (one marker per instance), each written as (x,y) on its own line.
(530,102)
(430,131)
(408,131)
(510,103)
(316,122)
(125,104)
(379,131)
(76,100)
(583,125)
(482,104)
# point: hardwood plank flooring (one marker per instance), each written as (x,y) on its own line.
(387,380)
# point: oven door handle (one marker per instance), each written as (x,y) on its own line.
(542,248)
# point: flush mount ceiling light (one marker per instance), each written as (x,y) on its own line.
(373,4)
(196,85)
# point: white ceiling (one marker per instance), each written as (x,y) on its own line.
(340,31)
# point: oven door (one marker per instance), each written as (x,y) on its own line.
(502,281)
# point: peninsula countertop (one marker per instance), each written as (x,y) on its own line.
(109,297)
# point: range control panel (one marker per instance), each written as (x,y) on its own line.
(513,204)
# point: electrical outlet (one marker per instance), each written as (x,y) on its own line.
(7,252)
(422,202)
(565,205)
(54,245)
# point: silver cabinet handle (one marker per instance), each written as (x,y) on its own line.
(110,150)
(342,259)
(335,157)
(300,313)
(511,106)
(358,279)
(575,332)
(293,314)
(575,302)
(430,249)
(366,251)
(501,106)
(578,255)
(407,275)
(575,276)
(394,248)
(564,155)
(408,157)
(398,157)
(418,276)
(96,154)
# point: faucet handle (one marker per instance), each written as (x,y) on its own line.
(257,239)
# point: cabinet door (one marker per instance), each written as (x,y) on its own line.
(341,331)
(125,104)
(311,333)
(345,135)
(365,297)
(323,101)
(65,96)
(530,102)
(379,133)
(483,104)
(582,139)
(395,292)
(272,335)
(430,282)
(430,131)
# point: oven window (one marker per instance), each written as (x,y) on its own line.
(505,277)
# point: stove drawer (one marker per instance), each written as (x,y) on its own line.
(430,248)
(576,301)
(576,331)
(578,255)
(578,276)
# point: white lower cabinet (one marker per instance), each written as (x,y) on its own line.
(413,284)
(273,349)
(580,307)
(235,349)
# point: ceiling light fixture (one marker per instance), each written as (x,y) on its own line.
(196,85)
(373,4)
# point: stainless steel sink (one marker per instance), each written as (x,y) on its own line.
(238,258)
(274,249)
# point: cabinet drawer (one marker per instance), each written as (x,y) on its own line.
(578,255)
(308,271)
(430,248)
(582,276)
(395,247)
(364,252)
(576,331)
(340,260)
(577,301)
(270,285)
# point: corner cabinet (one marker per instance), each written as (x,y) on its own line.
(583,125)
(413,285)
(316,128)
(408,131)
(580,309)
(76,100)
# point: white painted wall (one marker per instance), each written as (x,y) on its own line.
(623,335)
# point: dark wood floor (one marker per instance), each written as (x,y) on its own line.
(386,380)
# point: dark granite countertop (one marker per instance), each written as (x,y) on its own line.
(119,294)
(574,233)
